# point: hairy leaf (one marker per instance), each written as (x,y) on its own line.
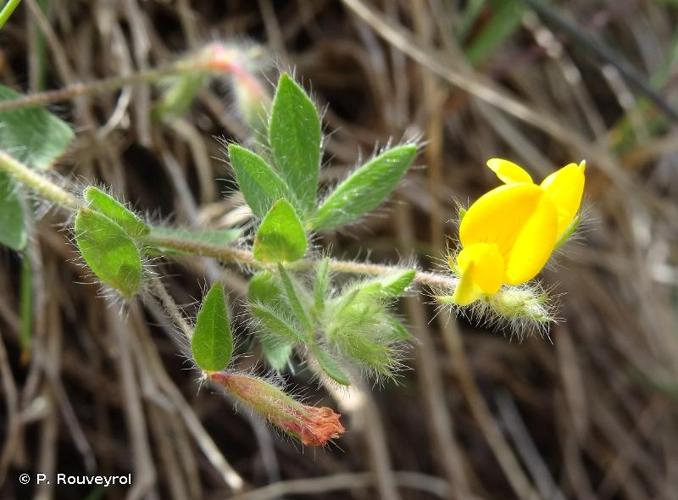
(365,189)
(281,236)
(260,184)
(293,297)
(276,351)
(330,366)
(108,251)
(35,137)
(12,228)
(212,341)
(116,211)
(295,135)
(32,135)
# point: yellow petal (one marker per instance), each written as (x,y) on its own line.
(485,264)
(508,172)
(499,215)
(534,244)
(466,291)
(566,187)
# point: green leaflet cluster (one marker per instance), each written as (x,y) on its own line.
(353,325)
(283,189)
(329,325)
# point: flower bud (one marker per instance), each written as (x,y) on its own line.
(313,426)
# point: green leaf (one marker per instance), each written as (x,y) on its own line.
(116,211)
(33,135)
(330,366)
(267,304)
(394,285)
(212,341)
(12,227)
(260,184)
(321,285)
(276,352)
(365,189)
(108,251)
(294,135)
(179,92)
(276,324)
(219,237)
(505,20)
(280,237)
(399,331)
(291,291)
(264,288)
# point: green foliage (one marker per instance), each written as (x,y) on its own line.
(292,296)
(12,227)
(281,236)
(260,184)
(108,251)
(179,92)
(505,20)
(321,286)
(277,334)
(295,137)
(330,366)
(212,341)
(365,189)
(116,211)
(359,324)
(35,137)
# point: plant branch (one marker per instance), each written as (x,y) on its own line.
(54,193)
(37,182)
(245,257)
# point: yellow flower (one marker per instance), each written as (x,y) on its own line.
(509,233)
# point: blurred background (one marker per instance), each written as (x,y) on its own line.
(587,412)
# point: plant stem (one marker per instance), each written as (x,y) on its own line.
(7,11)
(38,183)
(52,192)
(97,87)
(245,257)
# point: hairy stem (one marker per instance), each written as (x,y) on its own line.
(49,190)
(42,185)
(245,257)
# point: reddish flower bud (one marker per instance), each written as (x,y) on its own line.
(311,425)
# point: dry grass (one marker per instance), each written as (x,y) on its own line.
(590,415)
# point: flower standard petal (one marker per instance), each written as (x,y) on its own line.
(533,245)
(499,216)
(508,172)
(566,187)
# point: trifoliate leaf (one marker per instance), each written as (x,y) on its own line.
(281,236)
(365,189)
(212,341)
(108,251)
